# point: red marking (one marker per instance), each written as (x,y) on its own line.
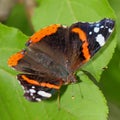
(43,32)
(43,84)
(83,38)
(13,60)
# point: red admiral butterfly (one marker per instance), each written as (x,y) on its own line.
(54,53)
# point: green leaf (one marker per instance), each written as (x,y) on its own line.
(89,102)
(110,79)
(69,11)
(11,41)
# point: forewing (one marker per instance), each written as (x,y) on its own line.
(45,53)
(87,38)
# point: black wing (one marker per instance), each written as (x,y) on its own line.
(40,87)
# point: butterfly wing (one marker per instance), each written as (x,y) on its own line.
(38,87)
(45,52)
(87,38)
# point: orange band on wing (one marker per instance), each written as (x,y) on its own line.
(13,60)
(43,84)
(83,37)
(43,32)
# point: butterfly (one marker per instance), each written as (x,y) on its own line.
(54,53)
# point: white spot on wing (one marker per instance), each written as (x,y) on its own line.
(31,94)
(32,91)
(33,87)
(38,99)
(90,33)
(102,26)
(33,97)
(97,24)
(44,94)
(109,30)
(96,29)
(100,39)
(64,26)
